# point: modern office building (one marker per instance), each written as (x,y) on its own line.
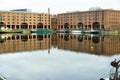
(25,19)
(95,18)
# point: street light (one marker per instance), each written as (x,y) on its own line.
(114,74)
(115,64)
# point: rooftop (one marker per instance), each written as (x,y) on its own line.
(22,10)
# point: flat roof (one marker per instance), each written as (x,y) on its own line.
(22,12)
(73,12)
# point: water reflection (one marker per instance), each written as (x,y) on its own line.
(92,44)
(72,57)
(18,43)
(80,38)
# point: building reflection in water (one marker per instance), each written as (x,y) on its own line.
(92,44)
(18,43)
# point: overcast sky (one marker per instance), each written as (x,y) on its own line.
(58,6)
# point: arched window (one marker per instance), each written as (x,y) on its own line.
(40,25)
(2,24)
(80,25)
(96,25)
(24,26)
(66,25)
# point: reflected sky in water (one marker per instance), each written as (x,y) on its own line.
(58,65)
(57,57)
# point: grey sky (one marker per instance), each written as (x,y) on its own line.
(58,6)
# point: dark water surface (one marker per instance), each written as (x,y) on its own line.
(57,56)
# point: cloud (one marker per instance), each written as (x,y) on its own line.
(58,65)
(58,6)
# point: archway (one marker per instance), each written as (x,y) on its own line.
(80,38)
(80,25)
(96,25)
(2,24)
(40,25)
(24,38)
(66,37)
(2,39)
(40,37)
(66,26)
(95,39)
(24,26)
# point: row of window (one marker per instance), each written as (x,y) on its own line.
(28,23)
(26,19)
(31,14)
(86,22)
(79,19)
(114,22)
(115,19)
(28,37)
(82,17)
(76,16)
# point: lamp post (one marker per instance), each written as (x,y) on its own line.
(114,75)
(116,65)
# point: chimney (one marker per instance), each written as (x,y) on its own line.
(48,10)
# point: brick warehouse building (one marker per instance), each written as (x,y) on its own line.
(25,19)
(93,19)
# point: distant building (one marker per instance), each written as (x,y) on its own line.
(22,10)
(25,19)
(95,18)
(94,8)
